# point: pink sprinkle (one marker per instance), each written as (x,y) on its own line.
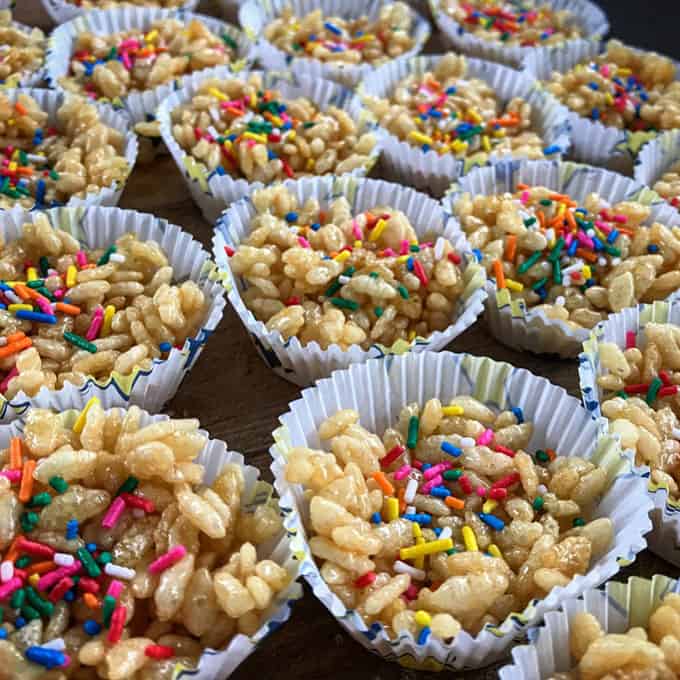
(433,471)
(81,259)
(485,438)
(113,513)
(13,475)
(95,324)
(441,100)
(568,239)
(48,580)
(481,491)
(525,196)
(411,592)
(604,70)
(6,589)
(584,240)
(5,383)
(630,340)
(428,486)
(171,557)
(303,242)
(44,305)
(398,475)
(250,143)
(59,293)
(404,247)
(115,589)
(603,226)
(126,61)
(67,661)
(356,230)
(388,252)
(621,219)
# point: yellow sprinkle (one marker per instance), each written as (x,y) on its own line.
(20,307)
(489,505)
(217,94)
(514,285)
(71,274)
(474,116)
(15,155)
(452,410)
(253,99)
(402,258)
(367,37)
(277,121)
(10,121)
(227,144)
(291,136)
(499,133)
(262,139)
(608,98)
(422,618)
(443,149)
(469,539)
(587,273)
(33,579)
(411,336)
(419,562)
(620,71)
(310,164)
(358,244)
(376,232)
(486,144)
(391,509)
(12,167)
(429,548)
(80,422)
(106,324)
(341,257)
(417,531)
(494,551)
(420,137)
(31,274)
(151,36)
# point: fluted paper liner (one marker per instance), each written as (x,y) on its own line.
(408,164)
(213,664)
(303,364)
(33,79)
(256,15)
(592,141)
(665,539)
(97,227)
(657,157)
(139,105)
(50,101)
(378,390)
(61,11)
(510,320)
(619,607)
(591,19)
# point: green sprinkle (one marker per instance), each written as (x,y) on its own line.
(611,250)
(128,486)
(29,613)
(528,222)
(452,475)
(557,272)
(308,124)
(540,283)
(545,201)
(80,342)
(413,427)
(344,304)
(91,567)
(374,275)
(622,394)
(18,597)
(107,254)
(538,503)
(557,250)
(38,283)
(44,265)
(43,606)
(452,551)
(229,41)
(59,484)
(54,175)
(402,291)
(2,614)
(529,262)
(653,390)
(333,289)
(107,609)
(40,499)
(579,522)
(23,561)
(104,558)
(349,271)
(414,248)
(542,456)
(43,291)
(378,311)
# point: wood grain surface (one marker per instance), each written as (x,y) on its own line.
(238,399)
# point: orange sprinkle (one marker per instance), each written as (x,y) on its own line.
(455,503)
(91,601)
(511,248)
(522,187)
(434,84)
(586,254)
(22,291)
(14,552)
(72,310)
(498,273)
(402,503)
(15,455)
(41,567)
(569,216)
(13,348)
(15,337)
(26,488)
(234,111)
(383,483)
(551,454)
(21,109)
(622,230)
(25,170)
(541,218)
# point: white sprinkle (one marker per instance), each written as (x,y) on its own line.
(117,571)
(403,568)
(57,643)
(12,297)
(676,434)
(616,261)
(63,559)
(344,279)
(213,133)
(411,489)
(117,257)
(550,235)
(439,248)
(35,158)
(576,267)
(215,115)
(566,281)
(446,532)
(590,232)
(6,571)
(3,342)
(602,261)
(542,488)
(138,513)
(466,442)
(560,301)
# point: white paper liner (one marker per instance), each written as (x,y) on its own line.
(408,164)
(510,321)
(98,227)
(619,607)
(589,16)
(61,10)
(303,364)
(378,390)
(33,79)
(213,664)
(665,539)
(592,141)
(656,157)
(213,192)
(256,15)
(139,105)
(50,101)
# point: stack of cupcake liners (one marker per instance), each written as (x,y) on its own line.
(61,11)
(657,157)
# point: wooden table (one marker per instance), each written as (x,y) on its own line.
(238,399)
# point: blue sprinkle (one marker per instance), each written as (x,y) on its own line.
(165,347)
(287,125)
(3,634)
(38,317)
(409,264)
(451,449)
(271,155)
(70,596)
(283,108)
(425,148)
(553,148)
(423,635)
(426,466)
(72,529)
(20,622)
(542,293)
(440,492)
(91,627)
(291,217)
(220,171)
(652,248)
(613,235)
(332,28)
(316,226)
(494,522)
(518,413)
(451,90)
(598,244)
(376,518)
(644,96)
(40,192)
(49,658)
(595,114)
(422,116)
(232,137)
(478,254)
(571,251)
(419,517)
(437,531)
(593,86)
(435,114)
(91,547)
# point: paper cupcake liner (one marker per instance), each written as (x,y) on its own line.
(303,364)
(656,157)
(98,227)
(213,664)
(619,607)
(665,539)
(378,390)
(256,15)
(509,320)
(407,164)
(590,18)
(138,105)
(213,192)
(592,141)
(33,79)
(61,11)
(50,101)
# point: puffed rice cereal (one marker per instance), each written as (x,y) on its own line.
(69,313)
(111,66)
(640,399)
(444,111)
(668,185)
(118,562)
(622,88)
(446,522)
(349,41)
(22,52)
(331,277)
(575,263)
(239,128)
(45,166)
(642,653)
(527,23)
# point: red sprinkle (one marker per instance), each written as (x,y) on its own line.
(61,589)
(416,464)
(392,455)
(630,339)
(454,257)
(498,494)
(292,300)
(88,585)
(411,592)
(465,484)
(365,580)
(668,391)
(505,450)
(419,271)
(665,378)
(229,251)
(33,548)
(507,481)
(134,501)
(117,623)
(159,652)
(638,388)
